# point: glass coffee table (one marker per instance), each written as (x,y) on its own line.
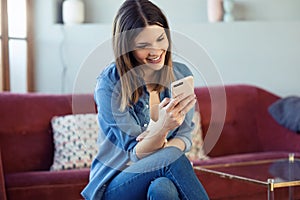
(269,173)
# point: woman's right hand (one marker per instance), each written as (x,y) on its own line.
(171,114)
(172,111)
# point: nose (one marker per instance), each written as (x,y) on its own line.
(154,52)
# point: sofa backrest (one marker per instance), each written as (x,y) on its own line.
(26,139)
(244,107)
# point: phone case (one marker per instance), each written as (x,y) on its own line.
(183,86)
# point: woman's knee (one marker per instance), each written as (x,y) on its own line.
(163,189)
(174,157)
(171,153)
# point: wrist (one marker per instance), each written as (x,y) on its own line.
(156,128)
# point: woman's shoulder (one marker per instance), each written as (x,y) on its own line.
(181,70)
(108,77)
(109,73)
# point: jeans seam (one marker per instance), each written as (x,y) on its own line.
(178,185)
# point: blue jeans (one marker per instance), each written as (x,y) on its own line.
(165,175)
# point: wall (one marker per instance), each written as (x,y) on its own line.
(262,51)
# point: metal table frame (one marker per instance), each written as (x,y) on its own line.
(270,184)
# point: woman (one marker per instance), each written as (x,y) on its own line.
(143,131)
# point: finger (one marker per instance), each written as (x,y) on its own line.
(182,113)
(164,102)
(141,136)
(174,102)
(182,97)
(187,108)
(184,103)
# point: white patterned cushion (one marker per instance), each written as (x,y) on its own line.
(75,140)
(197,152)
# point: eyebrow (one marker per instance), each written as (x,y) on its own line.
(144,43)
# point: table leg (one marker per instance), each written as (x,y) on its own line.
(291,175)
(270,189)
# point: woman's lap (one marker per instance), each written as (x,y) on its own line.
(134,181)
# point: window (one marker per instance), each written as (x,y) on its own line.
(16,46)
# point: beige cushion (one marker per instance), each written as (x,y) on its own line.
(196,152)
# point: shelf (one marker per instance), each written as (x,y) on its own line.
(103,12)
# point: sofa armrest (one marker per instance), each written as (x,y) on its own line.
(272,135)
(2,182)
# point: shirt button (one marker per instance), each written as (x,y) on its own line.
(145,125)
(147,106)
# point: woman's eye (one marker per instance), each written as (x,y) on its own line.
(160,39)
(141,46)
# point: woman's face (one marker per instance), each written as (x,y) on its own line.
(150,47)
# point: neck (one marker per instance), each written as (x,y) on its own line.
(150,87)
(150,77)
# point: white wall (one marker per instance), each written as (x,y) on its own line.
(262,52)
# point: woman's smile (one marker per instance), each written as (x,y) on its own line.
(155,60)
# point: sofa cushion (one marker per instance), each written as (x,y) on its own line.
(75,140)
(286,112)
(197,152)
(46,185)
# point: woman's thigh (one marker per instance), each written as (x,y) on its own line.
(134,181)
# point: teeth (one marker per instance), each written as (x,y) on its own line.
(155,59)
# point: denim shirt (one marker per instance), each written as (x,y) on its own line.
(119,129)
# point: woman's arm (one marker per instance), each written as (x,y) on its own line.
(154,140)
(176,142)
(171,115)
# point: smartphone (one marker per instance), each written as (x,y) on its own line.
(183,86)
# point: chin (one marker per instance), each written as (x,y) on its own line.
(157,66)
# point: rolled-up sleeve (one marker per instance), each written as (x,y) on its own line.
(183,132)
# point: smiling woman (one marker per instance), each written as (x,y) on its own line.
(144,132)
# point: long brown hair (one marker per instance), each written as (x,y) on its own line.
(131,18)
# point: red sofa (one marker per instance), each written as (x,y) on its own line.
(27,149)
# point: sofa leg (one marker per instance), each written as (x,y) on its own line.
(2,183)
